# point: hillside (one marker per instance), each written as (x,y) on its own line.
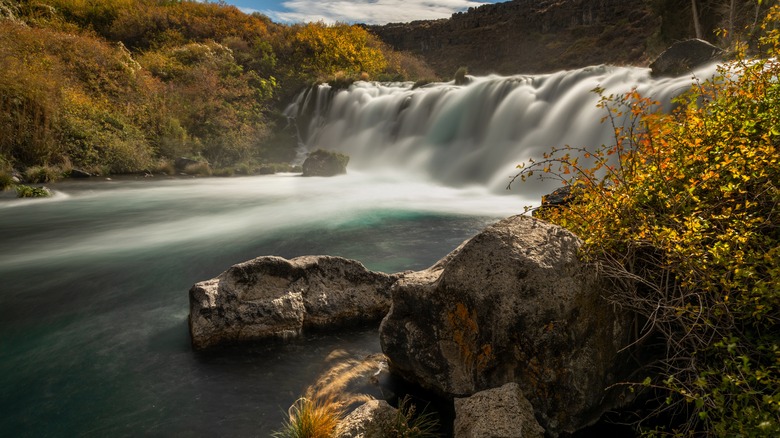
(134,85)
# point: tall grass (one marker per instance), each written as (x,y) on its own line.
(411,424)
(325,403)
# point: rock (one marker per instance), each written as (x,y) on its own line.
(271,297)
(684,56)
(560,197)
(78,173)
(371,420)
(182,163)
(325,163)
(513,304)
(496,413)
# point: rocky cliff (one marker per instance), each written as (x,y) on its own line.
(530,36)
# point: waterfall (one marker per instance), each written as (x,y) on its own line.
(474,134)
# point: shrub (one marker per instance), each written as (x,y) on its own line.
(682,213)
(460,76)
(23,191)
(6,180)
(201,168)
(42,174)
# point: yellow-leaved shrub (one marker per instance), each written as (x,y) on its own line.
(682,213)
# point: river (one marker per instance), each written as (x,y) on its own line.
(93,308)
(94,281)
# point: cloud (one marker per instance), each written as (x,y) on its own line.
(368,11)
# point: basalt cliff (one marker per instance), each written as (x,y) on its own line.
(531,36)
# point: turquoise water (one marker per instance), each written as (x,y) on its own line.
(94,282)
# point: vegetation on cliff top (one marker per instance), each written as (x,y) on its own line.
(121,86)
(682,212)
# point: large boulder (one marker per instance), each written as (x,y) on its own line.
(512,304)
(271,297)
(325,163)
(496,413)
(684,56)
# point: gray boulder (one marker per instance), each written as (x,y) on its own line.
(325,163)
(271,297)
(513,304)
(372,419)
(684,56)
(496,413)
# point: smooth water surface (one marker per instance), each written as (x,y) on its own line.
(93,293)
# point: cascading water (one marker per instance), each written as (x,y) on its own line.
(474,134)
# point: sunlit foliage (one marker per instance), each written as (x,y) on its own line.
(117,86)
(682,212)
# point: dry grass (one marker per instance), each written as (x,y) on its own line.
(325,403)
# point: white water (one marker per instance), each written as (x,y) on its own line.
(475,134)
(93,282)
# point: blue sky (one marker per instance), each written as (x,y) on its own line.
(357,11)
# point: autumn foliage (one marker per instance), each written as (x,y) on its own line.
(121,86)
(682,213)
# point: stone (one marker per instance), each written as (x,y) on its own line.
(512,304)
(372,419)
(78,173)
(182,163)
(325,163)
(685,56)
(271,297)
(496,413)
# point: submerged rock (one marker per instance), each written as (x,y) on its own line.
(513,304)
(271,297)
(685,56)
(497,413)
(325,163)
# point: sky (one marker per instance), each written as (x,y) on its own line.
(356,11)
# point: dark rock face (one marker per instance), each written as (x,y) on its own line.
(684,56)
(529,36)
(497,413)
(271,297)
(325,163)
(513,304)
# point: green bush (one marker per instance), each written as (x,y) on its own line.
(6,180)
(23,191)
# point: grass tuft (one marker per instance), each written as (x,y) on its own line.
(411,424)
(326,402)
